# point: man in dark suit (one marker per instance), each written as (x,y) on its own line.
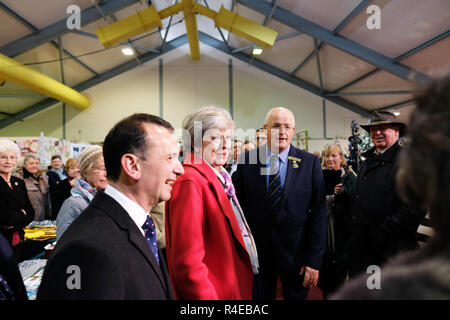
(109,251)
(281,191)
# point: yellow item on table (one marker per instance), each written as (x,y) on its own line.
(39,233)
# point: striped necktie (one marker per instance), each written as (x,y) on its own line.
(275,190)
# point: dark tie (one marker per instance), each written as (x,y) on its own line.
(274,189)
(150,236)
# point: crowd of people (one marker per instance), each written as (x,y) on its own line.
(236,218)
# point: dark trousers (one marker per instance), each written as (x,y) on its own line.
(265,287)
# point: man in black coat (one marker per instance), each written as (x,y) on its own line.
(109,251)
(289,230)
(381,223)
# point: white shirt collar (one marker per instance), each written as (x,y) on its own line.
(135,211)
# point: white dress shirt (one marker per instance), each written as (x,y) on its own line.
(135,211)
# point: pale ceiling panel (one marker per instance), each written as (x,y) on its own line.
(130,10)
(80,45)
(339,68)
(106,59)
(326,13)
(237,42)
(282,29)
(249,13)
(405,24)
(43,59)
(287,54)
(379,101)
(43,13)
(74,73)
(309,71)
(14,105)
(151,40)
(433,60)
(405,112)
(11,29)
(381,81)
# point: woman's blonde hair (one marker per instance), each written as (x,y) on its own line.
(329,149)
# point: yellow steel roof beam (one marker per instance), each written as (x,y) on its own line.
(129,27)
(191,28)
(245,28)
(149,19)
(205,11)
(170,11)
(14,71)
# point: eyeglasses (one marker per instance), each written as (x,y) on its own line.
(286,127)
(99,170)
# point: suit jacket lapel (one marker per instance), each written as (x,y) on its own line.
(121,217)
(291,174)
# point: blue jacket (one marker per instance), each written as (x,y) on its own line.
(70,210)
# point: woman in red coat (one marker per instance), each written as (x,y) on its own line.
(210,250)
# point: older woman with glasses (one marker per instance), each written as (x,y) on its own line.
(16,209)
(93,177)
(210,250)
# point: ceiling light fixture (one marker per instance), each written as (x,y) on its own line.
(257,51)
(127,51)
(396,113)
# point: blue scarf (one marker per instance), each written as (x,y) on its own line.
(83,189)
(60,173)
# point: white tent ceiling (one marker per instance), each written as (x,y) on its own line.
(413,37)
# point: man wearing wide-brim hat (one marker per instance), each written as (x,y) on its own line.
(381,223)
(384,129)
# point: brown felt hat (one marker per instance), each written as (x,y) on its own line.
(377,118)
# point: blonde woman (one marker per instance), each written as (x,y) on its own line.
(339,184)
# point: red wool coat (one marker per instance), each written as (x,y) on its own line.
(206,255)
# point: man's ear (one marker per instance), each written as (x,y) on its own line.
(131,166)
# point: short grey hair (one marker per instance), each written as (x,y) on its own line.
(8,145)
(269,113)
(210,117)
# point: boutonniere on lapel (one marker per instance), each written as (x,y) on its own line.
(294,161)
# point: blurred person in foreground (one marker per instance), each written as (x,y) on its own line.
(423,178)
(210,249)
